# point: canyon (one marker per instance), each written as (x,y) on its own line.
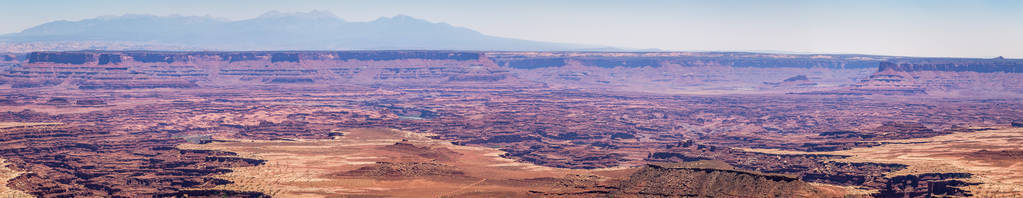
(486,124)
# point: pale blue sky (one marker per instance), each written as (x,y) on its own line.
(911,28)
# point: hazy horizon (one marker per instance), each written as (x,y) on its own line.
(981,29)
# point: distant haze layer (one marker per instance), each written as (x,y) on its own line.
(277,31)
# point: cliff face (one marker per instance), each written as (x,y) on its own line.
(648,71)
(952,76)
(953,65)
(116,58)
(138,69)
(8,58)
(533,60)
(946,77)
(671,72)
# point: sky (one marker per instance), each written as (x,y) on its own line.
(935,28)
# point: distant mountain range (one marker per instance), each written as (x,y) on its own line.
(316,30)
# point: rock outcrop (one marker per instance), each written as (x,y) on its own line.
(712,179)
(404,170)
(926,185)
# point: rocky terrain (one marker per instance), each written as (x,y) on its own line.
(940,77)
(67,161)
(713,181)
(111,123)
(663,72)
